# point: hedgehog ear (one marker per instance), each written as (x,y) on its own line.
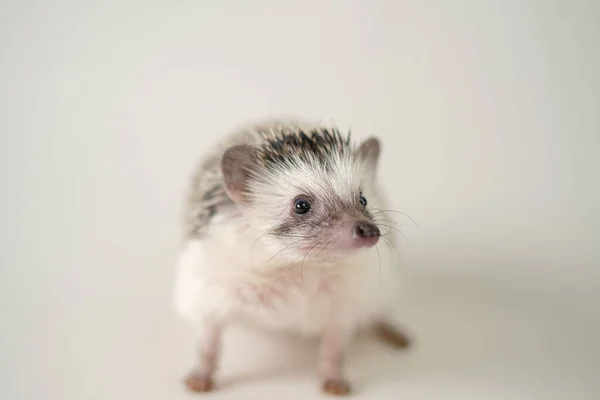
(369,151)
(237,164)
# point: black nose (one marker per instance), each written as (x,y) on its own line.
(364,229)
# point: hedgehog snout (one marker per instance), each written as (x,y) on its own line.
(365,234)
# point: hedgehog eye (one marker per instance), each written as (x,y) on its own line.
(362,200)
(301,206)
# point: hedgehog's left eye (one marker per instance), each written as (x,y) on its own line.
(363,201)
(301,206)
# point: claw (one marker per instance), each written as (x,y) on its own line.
(198,382)
(392,336)
(336,387)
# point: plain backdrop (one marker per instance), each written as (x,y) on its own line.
(489,116)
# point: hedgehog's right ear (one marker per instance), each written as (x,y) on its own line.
(237,165)
(369,151)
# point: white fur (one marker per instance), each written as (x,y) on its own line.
(230,275)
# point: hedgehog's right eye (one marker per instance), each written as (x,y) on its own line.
(301,206)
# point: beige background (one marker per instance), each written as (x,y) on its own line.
(489,115)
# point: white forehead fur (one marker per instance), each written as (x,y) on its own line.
(273,190)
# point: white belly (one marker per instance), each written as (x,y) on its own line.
(302,300)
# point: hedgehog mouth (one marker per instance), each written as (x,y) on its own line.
(329,251)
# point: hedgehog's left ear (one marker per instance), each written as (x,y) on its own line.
(369,151)
(238,164)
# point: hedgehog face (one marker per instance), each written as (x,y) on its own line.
(311,194)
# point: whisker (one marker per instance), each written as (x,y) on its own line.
(391,244)
(379,266)
(382,218)
(267,233)
(386,242)
(396,229)
(378,218)
(378,211)
(285,235)
(254,244)
(302,265)
(288,235)
(324,247)
(285,247)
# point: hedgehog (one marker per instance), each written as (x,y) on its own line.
(283,226)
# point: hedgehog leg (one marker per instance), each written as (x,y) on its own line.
(331,362)
(201,378)
(392,335)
